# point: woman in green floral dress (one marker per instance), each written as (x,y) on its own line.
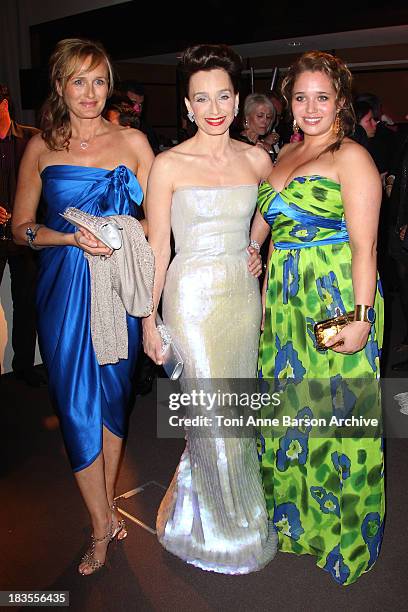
(325,493)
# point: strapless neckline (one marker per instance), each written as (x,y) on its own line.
(307,177)
(85,167)
(213,187)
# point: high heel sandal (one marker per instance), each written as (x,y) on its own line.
(89,558)
(120,533)
(121,528)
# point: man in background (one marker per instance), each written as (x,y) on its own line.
(135,92)
(21,260)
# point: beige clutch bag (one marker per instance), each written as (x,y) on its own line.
(325,330)
(107,230)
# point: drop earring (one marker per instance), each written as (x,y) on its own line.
(337,124)
(190,115)
(295,127)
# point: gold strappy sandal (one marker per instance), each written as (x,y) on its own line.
(89,557)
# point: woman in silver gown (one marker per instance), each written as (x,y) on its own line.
(205,190)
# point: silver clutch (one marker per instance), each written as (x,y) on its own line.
(173,363)
(106,230)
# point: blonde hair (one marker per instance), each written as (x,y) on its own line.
(68,56)
(256,99)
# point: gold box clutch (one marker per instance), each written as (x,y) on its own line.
(325,330)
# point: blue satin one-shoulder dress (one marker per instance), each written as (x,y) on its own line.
(86,395)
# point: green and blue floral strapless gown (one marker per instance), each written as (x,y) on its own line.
(324,494)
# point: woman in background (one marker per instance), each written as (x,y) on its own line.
(322,201)
(81,160)
(259,117)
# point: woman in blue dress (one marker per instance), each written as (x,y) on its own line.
(81,160)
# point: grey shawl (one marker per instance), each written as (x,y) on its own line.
(120,284)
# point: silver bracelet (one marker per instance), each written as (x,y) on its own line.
(255,245)
(31,234)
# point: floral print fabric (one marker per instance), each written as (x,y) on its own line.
(324,494)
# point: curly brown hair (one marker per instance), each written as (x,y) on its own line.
(341,78)
(68,56)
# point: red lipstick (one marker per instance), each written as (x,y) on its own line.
(216,121)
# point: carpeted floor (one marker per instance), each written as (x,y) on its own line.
(44,529)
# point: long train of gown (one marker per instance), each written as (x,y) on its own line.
(213,514)
(86,395)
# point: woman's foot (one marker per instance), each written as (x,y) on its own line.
(94,558)
(119,528)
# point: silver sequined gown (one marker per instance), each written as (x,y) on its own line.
(213,514)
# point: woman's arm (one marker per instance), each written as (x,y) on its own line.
(158,204)
(26,203)
(361,193)
(259,231)
(265,282)
(145,159)
(260,228)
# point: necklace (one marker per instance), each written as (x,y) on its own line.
(85,142)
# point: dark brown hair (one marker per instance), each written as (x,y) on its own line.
(68,56)
(210,57)
(361,109)
(340,76)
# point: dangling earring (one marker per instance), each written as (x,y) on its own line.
(236,111)
(246,124)
(337,123)
(295,127)
(190,115)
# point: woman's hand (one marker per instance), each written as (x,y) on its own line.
(86,241)
(352,338)
(402,232)
(272,138)
(152,342)
(254,262)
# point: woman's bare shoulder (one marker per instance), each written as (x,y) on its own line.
(131,135)
(260,161)
(37,144)
(167,163)
(354,163)
(37,152)
(351,153)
